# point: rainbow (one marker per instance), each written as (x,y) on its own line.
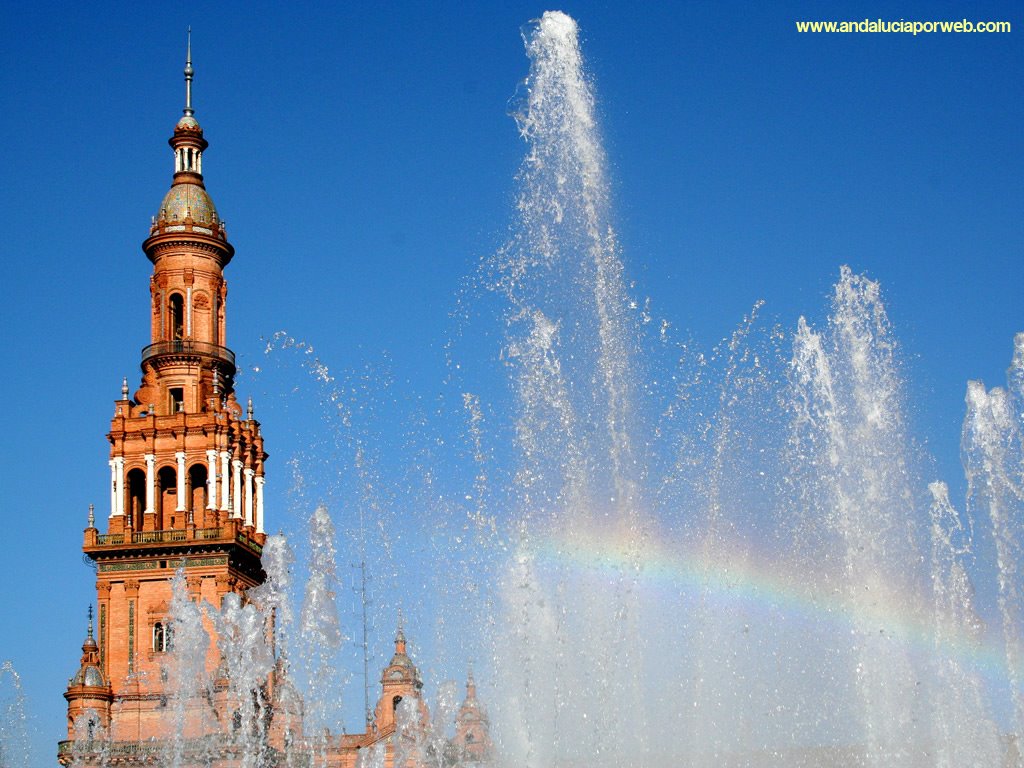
(761,589)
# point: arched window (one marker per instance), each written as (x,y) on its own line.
(395,702)
(136,501)
(159,637)
(167,479)
(198,495)
(176,306)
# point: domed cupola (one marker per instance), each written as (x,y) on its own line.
(401,667)
(88,670)
(88,694)
(187,203)
(187,206)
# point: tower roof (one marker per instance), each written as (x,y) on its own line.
(471,708)
(401,668)
(88,670)
(401,658)
(187,201)
(187,206)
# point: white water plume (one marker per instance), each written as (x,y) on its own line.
(247,661)
(993,454)
(187,675)
(320,635)
(849,421)
(575,427)
(965,733)
(15,748)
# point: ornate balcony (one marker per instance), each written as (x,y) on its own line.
(189,348)
(149,751)
(179,535)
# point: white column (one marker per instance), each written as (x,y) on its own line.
(211,479)
(188,312)
(150,481)
(248,495)
(236,497)
(180,456)
(259,480)
(225,496)
(119,484)
(113,487)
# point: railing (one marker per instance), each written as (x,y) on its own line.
(158,537)
(189,347)
(176,535)
(245,540)
(205,745)
(150,537)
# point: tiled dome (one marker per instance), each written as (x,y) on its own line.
(88,675)
(183,200)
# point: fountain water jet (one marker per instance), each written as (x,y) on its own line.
(14,741)
(964,731)
(569,350)
(834,673)
(993,450)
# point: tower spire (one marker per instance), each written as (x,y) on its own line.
(400,634)
(188,75)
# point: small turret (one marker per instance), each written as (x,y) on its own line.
(472,727)
(88,694)
(400,680)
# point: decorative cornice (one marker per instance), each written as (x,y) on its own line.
(160,241)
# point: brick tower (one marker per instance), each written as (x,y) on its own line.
(186,497)
(186,470)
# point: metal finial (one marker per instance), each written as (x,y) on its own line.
(124,388)
(248,409)
(92,516)
(90,621)
(188,75)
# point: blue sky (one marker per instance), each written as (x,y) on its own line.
(363,159)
